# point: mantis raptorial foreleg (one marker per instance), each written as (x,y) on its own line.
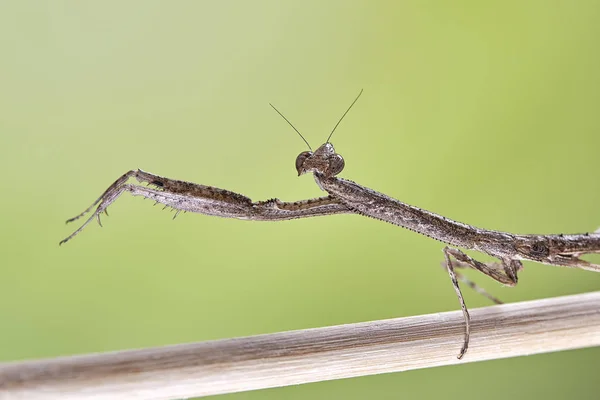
(209,200)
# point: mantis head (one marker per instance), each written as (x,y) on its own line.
(324,161)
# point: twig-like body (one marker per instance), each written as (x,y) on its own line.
(349,197)
(344,197)
(288,358)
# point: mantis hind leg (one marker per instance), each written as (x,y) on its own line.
(470,283)
(504,272)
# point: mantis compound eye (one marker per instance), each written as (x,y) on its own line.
(300,160)
(336,165)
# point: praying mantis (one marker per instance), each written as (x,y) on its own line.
(348,197)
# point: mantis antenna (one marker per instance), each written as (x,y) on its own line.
(286,120)
(336,125)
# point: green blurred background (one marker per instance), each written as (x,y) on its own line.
(486,112)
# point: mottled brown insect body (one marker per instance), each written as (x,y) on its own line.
(347,197)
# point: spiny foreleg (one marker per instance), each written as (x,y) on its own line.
(208,200)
